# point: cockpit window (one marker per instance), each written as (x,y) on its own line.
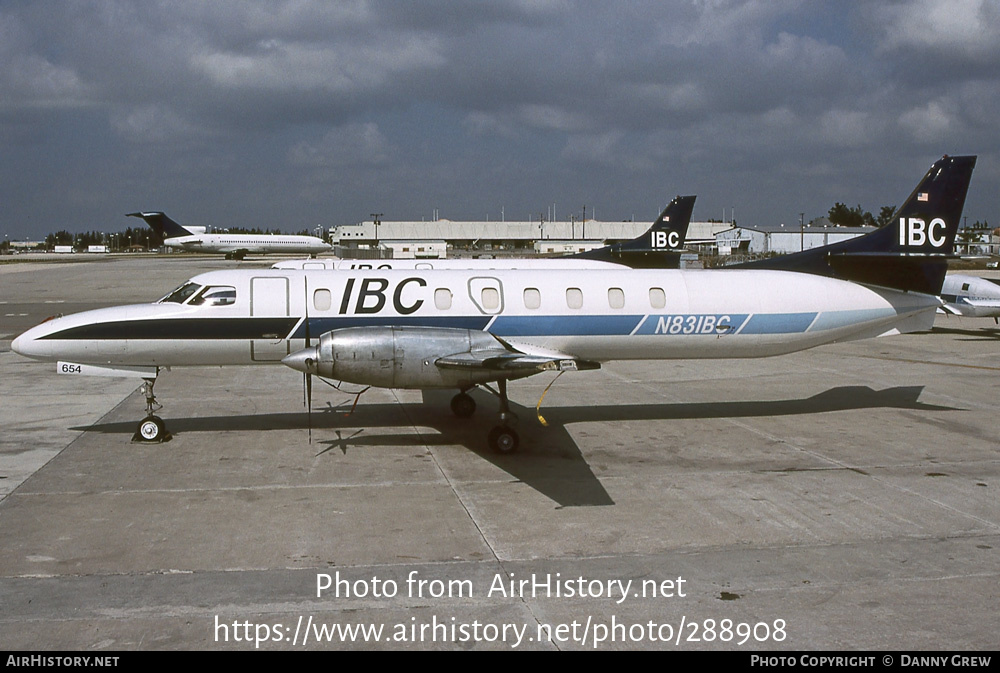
(215,295)
(181,294)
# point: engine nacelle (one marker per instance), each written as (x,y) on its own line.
(396,357)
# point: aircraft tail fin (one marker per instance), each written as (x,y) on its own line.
(911,252)
(161,224)
(659,247)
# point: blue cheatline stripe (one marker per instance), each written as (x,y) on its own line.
(611,325)
(550,325)
(835,319)
(318,326)
(778,323)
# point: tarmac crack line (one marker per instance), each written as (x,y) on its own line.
(73,441)
(444,475)
(462,503)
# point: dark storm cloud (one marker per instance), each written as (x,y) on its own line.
(289,114)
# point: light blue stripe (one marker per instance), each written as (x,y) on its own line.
(550,325)
(778,323)
(835,319)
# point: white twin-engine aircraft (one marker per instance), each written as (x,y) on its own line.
(457,329)
(462,328)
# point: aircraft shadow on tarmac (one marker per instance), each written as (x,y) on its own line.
(549,460)
(982,334)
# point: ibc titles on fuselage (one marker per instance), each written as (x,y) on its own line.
(371,296)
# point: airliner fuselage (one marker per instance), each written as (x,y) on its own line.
(240,317)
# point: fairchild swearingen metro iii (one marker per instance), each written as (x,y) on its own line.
(458,329)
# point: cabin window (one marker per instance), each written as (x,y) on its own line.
(491,298)
(532,298)
(574,297)
(616,297)
(965,287)
(657,297)
(322,299)
(442,298)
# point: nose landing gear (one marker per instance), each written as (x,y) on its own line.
(502,438)
(151,429)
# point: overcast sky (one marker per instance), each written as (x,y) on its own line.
(292,114)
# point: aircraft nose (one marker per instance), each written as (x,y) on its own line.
(26,343)
(32,343)
(303,360)
(17,344)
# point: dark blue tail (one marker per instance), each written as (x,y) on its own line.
(911,252)
(660,247)
(161,224)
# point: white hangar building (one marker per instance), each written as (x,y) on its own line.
(543,237)
(782,239)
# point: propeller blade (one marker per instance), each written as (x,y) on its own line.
(308,377)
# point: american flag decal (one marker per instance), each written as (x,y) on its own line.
(922,196)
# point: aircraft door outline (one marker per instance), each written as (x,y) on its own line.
(269,297)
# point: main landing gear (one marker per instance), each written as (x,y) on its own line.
(502,438)
(151,429)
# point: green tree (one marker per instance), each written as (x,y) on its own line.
(885,214)
(843,216)
(58,238)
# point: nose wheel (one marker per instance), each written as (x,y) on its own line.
(151,429)
(503,439)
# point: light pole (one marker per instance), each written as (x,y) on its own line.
(376,218)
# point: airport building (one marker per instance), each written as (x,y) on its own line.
(782,239)
(497,236)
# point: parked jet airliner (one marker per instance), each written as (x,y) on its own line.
(462,328)
(235,246)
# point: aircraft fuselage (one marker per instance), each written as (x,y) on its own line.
(242,317)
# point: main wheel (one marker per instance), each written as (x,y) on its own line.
(463,406)
(503,439)
(151,429)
